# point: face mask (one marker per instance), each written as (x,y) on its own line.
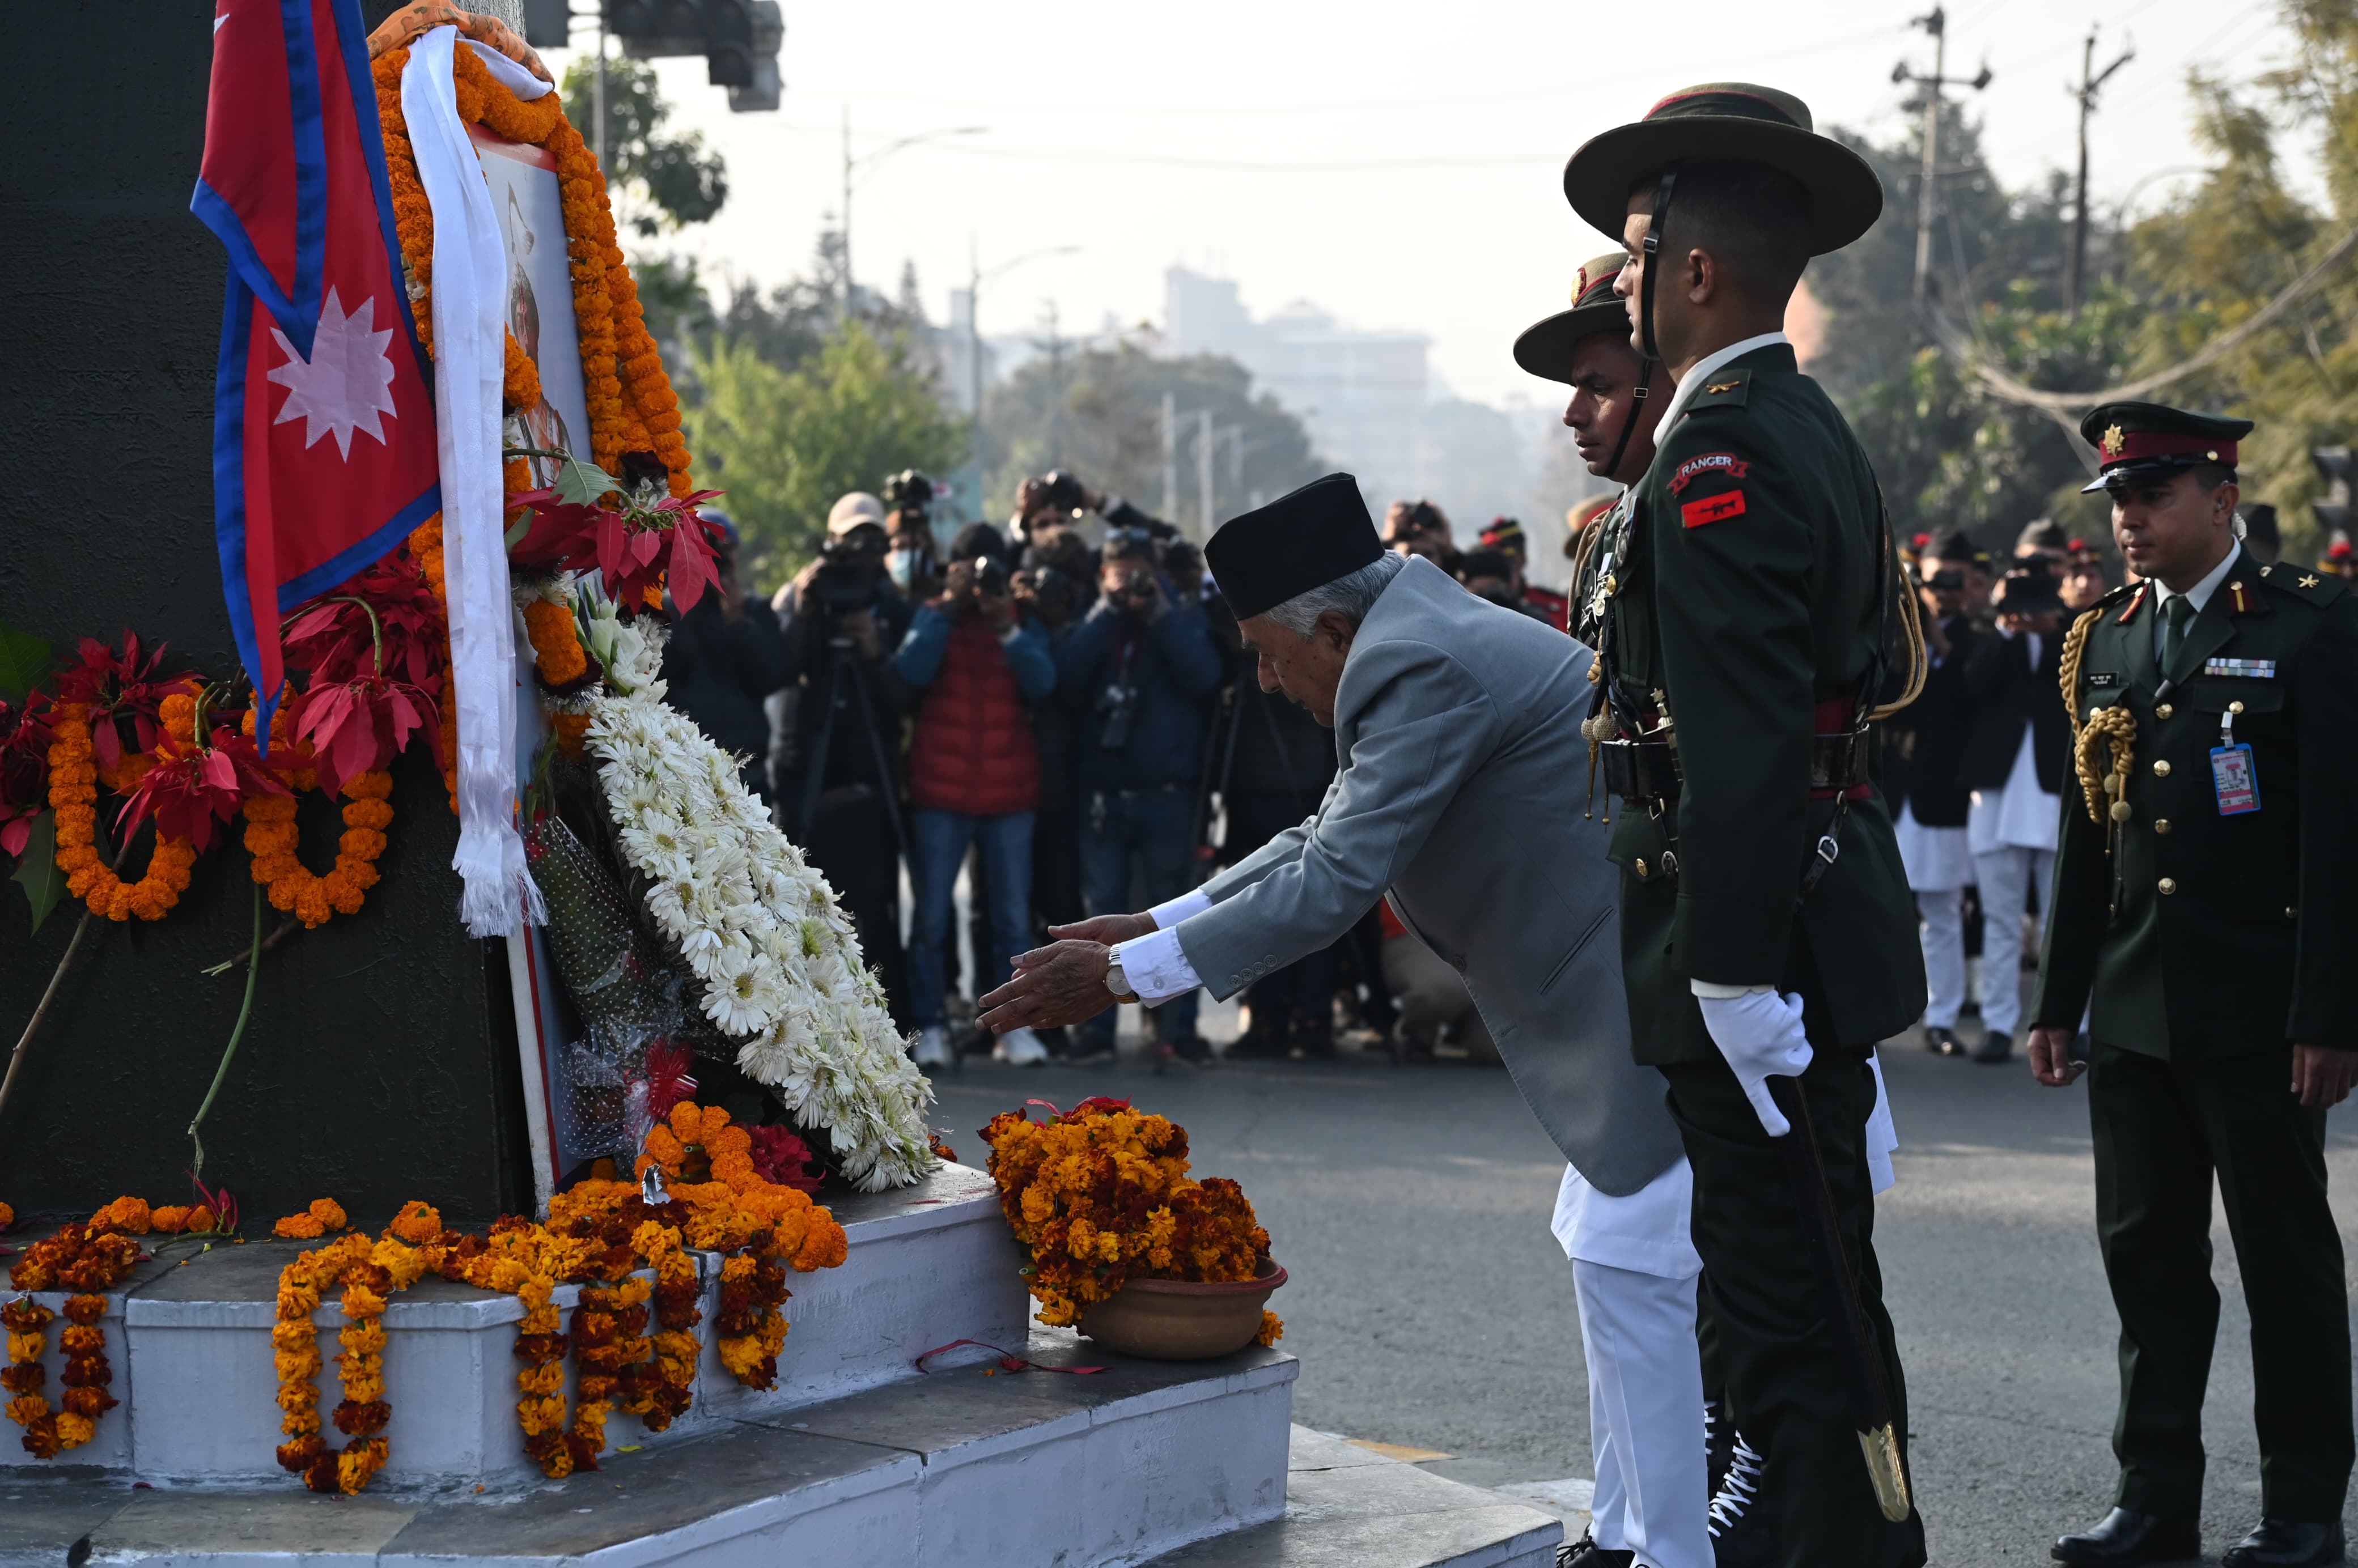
(902,566)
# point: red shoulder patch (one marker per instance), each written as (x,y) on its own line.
(1727,463)
(1712,508)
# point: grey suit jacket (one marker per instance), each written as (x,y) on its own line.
(1457,727)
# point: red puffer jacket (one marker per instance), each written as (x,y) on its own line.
(974,752)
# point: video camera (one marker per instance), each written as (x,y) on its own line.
(1064,492)
(851,572)
(909,492)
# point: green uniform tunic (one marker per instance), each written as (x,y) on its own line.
(2207,942)
(1742,592)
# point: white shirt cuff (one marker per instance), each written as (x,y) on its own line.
(1715,991)
(1156,966)
(1186,906)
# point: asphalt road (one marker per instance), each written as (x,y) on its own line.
(1430,1308)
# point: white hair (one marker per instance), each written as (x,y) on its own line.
(1351,596)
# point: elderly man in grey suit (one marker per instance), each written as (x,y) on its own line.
(1457,728)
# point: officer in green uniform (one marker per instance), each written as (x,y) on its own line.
(1767,931)
(2205,900)
(1618,396)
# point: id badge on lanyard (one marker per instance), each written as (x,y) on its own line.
(2233,780)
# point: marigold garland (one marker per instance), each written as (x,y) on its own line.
(323,1215)
(556,644)
(272,836)
(520,382)
(73,798)
(87,1260)
(369,1271)
(426,544)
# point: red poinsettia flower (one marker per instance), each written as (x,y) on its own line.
(357,725)
(119,687)
(782,1159)
(649,539)
(382,622)
(189,791)
(24,774)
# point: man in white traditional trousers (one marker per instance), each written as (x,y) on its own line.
(1457,728)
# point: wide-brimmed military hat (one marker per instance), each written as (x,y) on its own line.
(2150,440)
(1734,120)
(1546,346)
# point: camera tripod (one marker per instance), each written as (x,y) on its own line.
(846,683)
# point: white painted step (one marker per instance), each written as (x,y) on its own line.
(190,1348)
(974,1467)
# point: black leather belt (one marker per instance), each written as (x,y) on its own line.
(1645,772)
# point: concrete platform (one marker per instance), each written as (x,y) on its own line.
(1345,1507)
(189,1338)
(973,1467)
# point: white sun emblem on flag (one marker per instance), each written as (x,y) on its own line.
(345,383)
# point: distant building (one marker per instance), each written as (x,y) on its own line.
(1362,394)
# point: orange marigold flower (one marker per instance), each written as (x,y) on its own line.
(305,1226)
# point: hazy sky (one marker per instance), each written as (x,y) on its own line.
(1396,164)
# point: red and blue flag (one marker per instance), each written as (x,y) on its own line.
(324,453)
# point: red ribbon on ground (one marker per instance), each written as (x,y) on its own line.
(1092,1103)
(1008,1360)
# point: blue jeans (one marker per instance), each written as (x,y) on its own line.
(937,846)
(1157,827)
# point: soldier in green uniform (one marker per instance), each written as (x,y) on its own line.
(2205,899)
(1767,931)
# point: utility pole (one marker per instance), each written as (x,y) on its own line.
(1169,455)
(846,236)
(2075,267)
(1937,24)
(1204,453)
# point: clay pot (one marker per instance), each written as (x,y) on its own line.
(1181,1320)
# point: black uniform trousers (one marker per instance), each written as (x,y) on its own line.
(2162,1128)
(1788,1386)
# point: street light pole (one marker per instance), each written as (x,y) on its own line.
(878,156)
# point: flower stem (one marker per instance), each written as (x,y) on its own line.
(244,1011)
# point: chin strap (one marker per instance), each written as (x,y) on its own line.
(1649,353)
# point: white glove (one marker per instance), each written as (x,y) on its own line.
(1759,1033)
(1882,1136)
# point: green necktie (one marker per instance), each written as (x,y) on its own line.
(2180,610)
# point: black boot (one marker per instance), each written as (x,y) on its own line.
(2123,1538)
(1995,1046)
(2282,1543)
(1585,1553)
(1743,1530)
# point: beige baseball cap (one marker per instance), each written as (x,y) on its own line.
(849,513)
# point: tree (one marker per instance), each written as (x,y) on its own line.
(660,183)
(2239,237)
(784,444)
(1099,412)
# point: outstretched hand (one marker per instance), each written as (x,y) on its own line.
(1063,983)
(1106,928)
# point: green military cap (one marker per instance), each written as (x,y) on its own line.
(2149,441)
(1545,347)
(1733,120)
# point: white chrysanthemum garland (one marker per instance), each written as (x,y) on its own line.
(778,959)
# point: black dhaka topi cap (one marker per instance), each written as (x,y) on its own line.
(1303,540)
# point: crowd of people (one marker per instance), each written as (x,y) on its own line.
(1058,707)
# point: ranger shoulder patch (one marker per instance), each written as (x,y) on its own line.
(1722,463)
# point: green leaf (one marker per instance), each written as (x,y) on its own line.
(24,660)
(518,530)
(36,870)
(582,483)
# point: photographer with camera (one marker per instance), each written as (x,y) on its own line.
(910,559)
(1046,503)
(836,732)
(724,659)
(1146,667)
(974,779)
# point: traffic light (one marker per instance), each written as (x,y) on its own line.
(738,38)
(2332,509)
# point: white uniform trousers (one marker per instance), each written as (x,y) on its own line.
(2007,873)
(1645,1414)
(1943,935)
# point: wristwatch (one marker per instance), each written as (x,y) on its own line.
(1117,981)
